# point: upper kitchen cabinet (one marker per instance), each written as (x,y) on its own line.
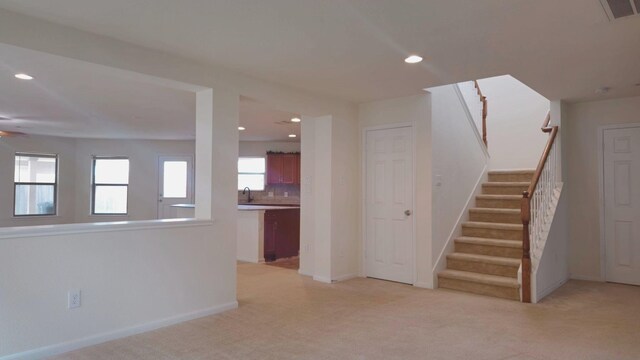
(283,168)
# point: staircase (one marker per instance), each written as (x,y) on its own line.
(488,254)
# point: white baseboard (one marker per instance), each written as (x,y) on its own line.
(247,260)
(423,284)
(320,279)
(345,277)
(586,278)
(304,273)
(551,288)
(56,349)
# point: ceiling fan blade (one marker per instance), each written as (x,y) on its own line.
(11,133)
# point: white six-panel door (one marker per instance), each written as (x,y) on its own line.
(389,196)
(622,204)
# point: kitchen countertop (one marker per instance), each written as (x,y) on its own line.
(245,207)
(265,207)
(188,206)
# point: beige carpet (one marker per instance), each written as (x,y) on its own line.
(286,316)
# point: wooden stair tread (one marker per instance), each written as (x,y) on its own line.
(495,260)
(489,242)
(494,210)
(480,278)
(488,225)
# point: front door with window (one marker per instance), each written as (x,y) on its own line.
(175,184)
(389,204)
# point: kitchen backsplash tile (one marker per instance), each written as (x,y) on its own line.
(293,192)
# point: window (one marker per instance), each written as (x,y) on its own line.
(110,185)
(35,184)
(251,173)
(174,179)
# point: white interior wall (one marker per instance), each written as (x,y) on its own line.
(459,166)
(345,184)
(515,115)
(580,147)
(553,267)
(260,148)
(307,197)
(130,281)
(414,110)
(322,187)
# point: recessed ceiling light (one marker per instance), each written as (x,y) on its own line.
(292,135)
(241,128)
(295,119)
(413,59)
(24,76)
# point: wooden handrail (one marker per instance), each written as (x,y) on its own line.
(484,113)
(545,154)
(545,125)
(525,209)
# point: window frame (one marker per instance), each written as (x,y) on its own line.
(94,184)
(55,184)
(264,174)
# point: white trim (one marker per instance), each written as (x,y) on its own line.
(303,273)
(65,229)
(51,350)
(603,244)
(322,279)
(422,284)
(363,191)
(586,278)
(544,293)
(465,107)
(441,263)
(345,277)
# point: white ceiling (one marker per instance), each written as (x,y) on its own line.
(353,49)
(76,99)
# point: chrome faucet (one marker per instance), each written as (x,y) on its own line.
(249,198)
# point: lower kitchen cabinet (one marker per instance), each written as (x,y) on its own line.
(281,233)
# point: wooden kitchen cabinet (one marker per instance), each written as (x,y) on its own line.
(283,169)
(281,234)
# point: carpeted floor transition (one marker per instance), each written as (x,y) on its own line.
(292,263)
(283,315)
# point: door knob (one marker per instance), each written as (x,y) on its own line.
(407,212)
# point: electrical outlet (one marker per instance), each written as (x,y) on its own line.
(286,194)
(74,298)
(270,194)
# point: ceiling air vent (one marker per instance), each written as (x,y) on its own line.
(617,9)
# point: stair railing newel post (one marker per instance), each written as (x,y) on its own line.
(525,211)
